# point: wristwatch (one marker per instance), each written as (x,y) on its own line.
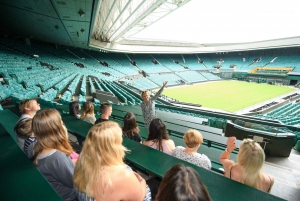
(226,150)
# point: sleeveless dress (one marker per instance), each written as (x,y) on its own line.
(231,168)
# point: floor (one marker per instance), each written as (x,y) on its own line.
(286,172)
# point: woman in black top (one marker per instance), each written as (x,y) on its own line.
(130,128)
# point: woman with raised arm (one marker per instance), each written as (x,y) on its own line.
(148,105)
(248,169)
(100,173)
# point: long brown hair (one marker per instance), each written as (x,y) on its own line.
(88,108)
(158,132)
(50,132)
(182,183)
(130,126)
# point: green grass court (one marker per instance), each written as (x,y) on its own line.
(226,95)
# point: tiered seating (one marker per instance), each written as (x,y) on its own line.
(210,76)
(121,96)
(61,85)
(144,84)
(121,63)
(191,76)
(191,61)
(98,86)
(127,93)
(264,61)
(172,78)
(81,99)
(237,61)
(83,86)
(207,61)
(103,85)
(93,90)
(168,63)
(144,62)
(49,95)
(287,114)
(286,61)
(27,93)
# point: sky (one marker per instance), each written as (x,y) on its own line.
(227,21)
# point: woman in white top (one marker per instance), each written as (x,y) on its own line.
(193,139)
(88,114)
(158,137)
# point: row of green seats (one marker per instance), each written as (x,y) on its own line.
(93,90)
(83,86)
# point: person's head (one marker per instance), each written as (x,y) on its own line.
(74,108)
(88,109)
(182,183)
(102,148)
(24,127)
(192,138)
(29,106)
(106,109)
(158,132)
(145,95)
(130,125)
(50,132)
(251,157)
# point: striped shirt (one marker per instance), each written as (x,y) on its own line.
(148,110)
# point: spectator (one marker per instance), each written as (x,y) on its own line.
(148,105)
(248,169)
(193,139)
(74,109)
(53,152)
(130,128)
(24,128)
(100,173)
(182,183)
(88,114)
(158,137)
(106,110)
(27,108)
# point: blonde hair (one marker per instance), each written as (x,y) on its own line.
(251,157)
(102,147)
(50,132)
(192,138)
(88,108)
(24,127)
(143,92)
(25,104)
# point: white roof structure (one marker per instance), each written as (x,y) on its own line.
(155,26)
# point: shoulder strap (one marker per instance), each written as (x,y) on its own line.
(272,182)
(230,171)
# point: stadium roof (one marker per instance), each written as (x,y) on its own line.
(159,26)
